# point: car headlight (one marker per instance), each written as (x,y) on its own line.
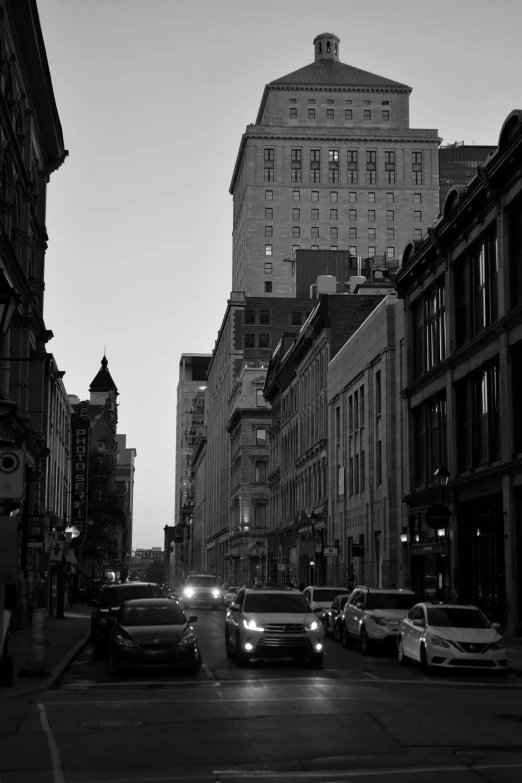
(376,620)
(252,625)
(438,641)
(500,645)
(313,626)
(215,593)
(122,641)
(188,638)
(188,591)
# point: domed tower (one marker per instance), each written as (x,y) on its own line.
(326,47)
(102,386)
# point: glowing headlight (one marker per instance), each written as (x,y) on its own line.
(252,625)
(215,593)
(188,591)
(313,626)
(438,641)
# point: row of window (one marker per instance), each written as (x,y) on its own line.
(372,250)
(352,232)
(262,318)
(348,101)
(367,114)
(334,215)
(334,196)
(263,341)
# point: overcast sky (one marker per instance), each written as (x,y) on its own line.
(153,98)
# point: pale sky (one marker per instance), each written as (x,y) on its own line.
(153,98)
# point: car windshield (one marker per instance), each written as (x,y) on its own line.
(153,614)
(116,596)
(327,594)
(402,601)
(276,602)
(232,590)
(201,581)
(457,618)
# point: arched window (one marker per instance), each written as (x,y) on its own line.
(328,47)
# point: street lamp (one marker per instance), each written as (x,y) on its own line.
(442,475)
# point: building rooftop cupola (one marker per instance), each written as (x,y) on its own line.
(102,383)
(326,47)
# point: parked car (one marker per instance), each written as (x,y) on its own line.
(106,608)
(320,598)
(371,616)
(201,589)
(447,636)
(332,615)
(229,594)
(272,623)
(153,633)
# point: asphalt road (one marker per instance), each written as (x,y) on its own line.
(360,719)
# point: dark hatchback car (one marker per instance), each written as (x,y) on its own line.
(112,598)
(153,633)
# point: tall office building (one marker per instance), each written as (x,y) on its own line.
(331,163)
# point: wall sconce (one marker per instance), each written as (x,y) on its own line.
(404,535)
(441,532)
(478,531)
(417,538)
(312,562)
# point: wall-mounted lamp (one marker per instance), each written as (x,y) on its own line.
(478,531)
(417,538)
(312,562)
(441,532)
(404,535)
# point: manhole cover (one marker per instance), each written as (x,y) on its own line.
(111,724)
(509,716)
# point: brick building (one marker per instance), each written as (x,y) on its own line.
(330,163)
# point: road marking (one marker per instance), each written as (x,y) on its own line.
(371,676)
(208,671)
(134,684)
(58,776)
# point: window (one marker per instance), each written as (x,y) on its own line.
(330,114)
(268,267)
(416,168)
(269,195)
(371,215)
(314,214)
(250,316)
(296,232)
(352,196)
(390,233)
(334,196)
(269,175)
(371,167)
(389,167)
(429,327)
(268,231)
(314,195)
(292,113)
(390,252)
(334,232)
(250,341)
(371,251)
(333,166)
(352,166)
(260,515)
(372,233)
(260,471)
(293,100)
(476,290)
(268,286)
(417,198)
(311,114)
(264,317)
(367,115)
(296,318)
(295,248)
(390,215)
(430,438)
(352,214)
(385,115)
(296,214)
(333,176)
(352,233)
(478,417)
(390,198)
(269,213)
(334,214)
(260,400)
(315,165)
(264,341)
(353,250)
(295,175)
(348,114)
(269,154)
(334,247)
(296,195)
(349,102)
(315,247)
(311,100)
(261,437)
(367,103)
(296,165)
(268,250)
(417,233)
(417,216)
(315,232)
(333,156)
(371,197)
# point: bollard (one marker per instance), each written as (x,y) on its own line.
(37,662)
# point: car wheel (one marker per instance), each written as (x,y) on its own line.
(112,665)
(336,633)
(316,661)
(401,657)
(230,653)
(193,668)
(366,645)
(345,637)
(425,667)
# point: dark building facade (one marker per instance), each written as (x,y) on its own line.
(458,164)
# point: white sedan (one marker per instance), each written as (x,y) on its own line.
(446,636)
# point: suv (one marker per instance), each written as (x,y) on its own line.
(321,598)
(272,623)
(105,611)
(201,589)
(372,616)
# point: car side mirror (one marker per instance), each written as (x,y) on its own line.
(192,618)
(419,623)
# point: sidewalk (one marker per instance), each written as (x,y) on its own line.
(65,638)
(514,653)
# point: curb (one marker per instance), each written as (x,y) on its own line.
(48,682)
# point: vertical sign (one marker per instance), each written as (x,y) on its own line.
(80,468)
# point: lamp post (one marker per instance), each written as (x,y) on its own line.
(442,476)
